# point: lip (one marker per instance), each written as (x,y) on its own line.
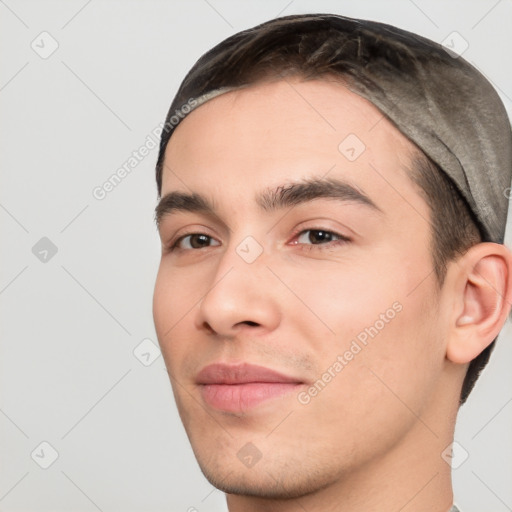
(237,388)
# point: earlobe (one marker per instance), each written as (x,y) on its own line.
(483,294)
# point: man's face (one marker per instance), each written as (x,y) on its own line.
(336,294)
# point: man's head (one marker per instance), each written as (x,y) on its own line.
(316,46)
(313,236)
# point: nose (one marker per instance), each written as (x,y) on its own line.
(241,296)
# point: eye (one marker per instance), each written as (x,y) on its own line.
(319,237)
(194,241)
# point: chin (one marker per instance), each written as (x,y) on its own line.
(271,481)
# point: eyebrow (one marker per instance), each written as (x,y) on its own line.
(271,199)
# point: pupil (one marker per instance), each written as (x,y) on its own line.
(199,241)
(317,236)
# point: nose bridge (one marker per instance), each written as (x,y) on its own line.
(241,268)
(238,292)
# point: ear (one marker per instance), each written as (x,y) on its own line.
(482,300)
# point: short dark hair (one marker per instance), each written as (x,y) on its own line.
(454,229)
(312,46)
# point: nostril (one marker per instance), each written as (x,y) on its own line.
(252,324)
(207,327)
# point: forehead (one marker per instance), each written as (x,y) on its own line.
(269,133)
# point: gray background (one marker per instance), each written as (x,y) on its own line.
(70,323)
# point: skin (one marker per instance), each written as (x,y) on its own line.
(372,438)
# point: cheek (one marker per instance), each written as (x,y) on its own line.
(163,302)
(347,296)
(378,318)
(174,296)
(177,290)
(388,364)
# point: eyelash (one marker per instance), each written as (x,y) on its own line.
(341,239)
